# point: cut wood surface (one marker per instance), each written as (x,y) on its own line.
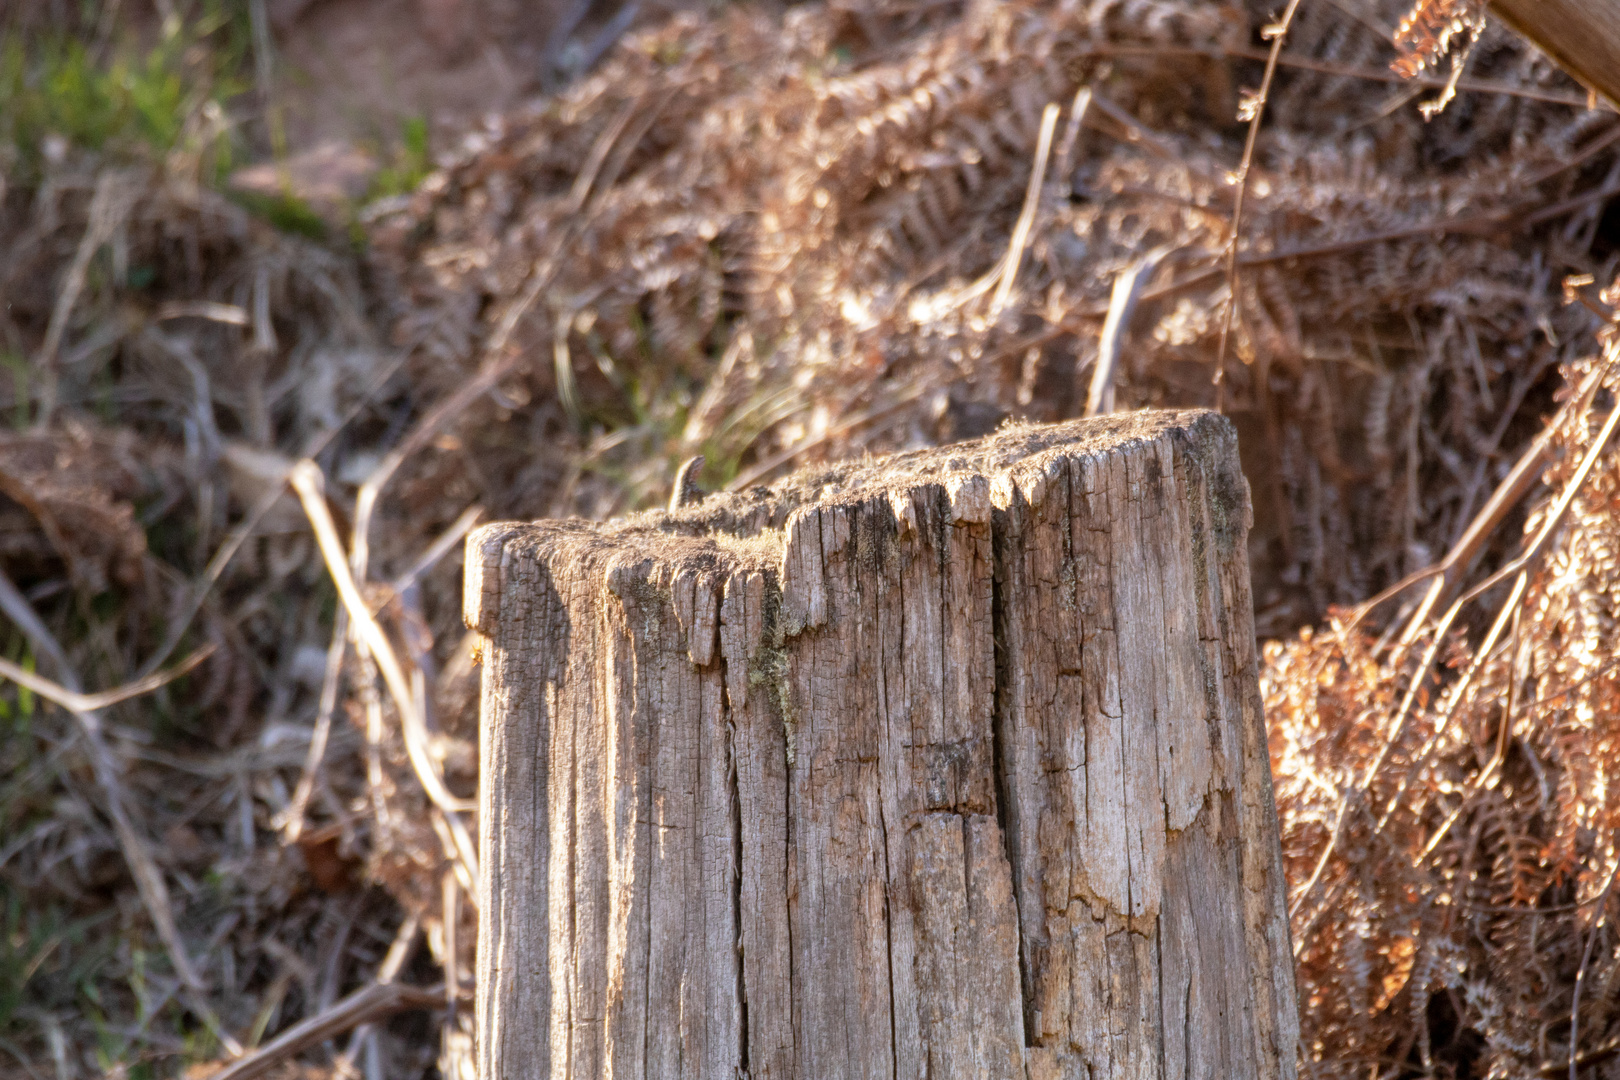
(950,764)
(1582,36)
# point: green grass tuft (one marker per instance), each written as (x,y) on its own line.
(134,100)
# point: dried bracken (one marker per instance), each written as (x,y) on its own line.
(808,223)
(1429,30)
(1448,814)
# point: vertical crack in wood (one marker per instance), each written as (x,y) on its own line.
(885,717)
(1158,965)
(734,795)
(888,940)
(1186,1029)
(1001,526)
(773,602)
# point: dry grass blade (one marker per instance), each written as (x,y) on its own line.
(1014,259)
(114,197)
(1127,291)
(83,703)
(307,480)
(228,314)
(441,546)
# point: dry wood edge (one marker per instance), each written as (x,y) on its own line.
(1583,36)
(364,1006)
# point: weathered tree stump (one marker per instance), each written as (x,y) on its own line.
(945,765)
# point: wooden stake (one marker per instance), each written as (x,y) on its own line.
(947,765)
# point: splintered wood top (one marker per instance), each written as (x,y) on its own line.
(744,530)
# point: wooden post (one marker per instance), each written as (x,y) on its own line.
(1582,37)
(945,765)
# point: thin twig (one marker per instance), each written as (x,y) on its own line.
(308,481)
(1138,133)
(1277,33)
(367,1005)
(450,892)
(439,548)
(1454,702)
(1601,1052)
(74,701)
(1555,518)
(1485,776)
(211,310)
(393,962)
(1514,486)
(1328,67)
(293,819)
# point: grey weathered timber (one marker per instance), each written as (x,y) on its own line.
(1582,36)
(950,764)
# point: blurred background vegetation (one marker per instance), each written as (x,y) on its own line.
(480,259)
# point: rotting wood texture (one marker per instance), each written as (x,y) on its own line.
(945,765)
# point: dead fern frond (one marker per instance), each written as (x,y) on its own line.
(1471,861)
(1429,30)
